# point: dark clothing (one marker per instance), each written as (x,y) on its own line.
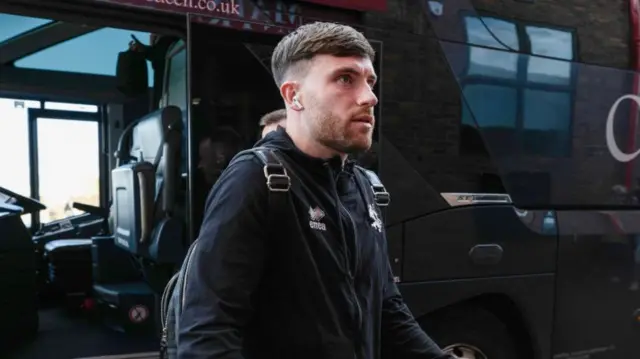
(314,284)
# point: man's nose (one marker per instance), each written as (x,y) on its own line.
(367,97)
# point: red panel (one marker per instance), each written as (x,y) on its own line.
(363,5)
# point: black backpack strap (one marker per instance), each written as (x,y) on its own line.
(275,173)
(380,194)
(278,183)
(276,176)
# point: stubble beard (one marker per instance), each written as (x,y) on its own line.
(328,130)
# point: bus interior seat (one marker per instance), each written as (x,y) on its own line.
(144,193)
(147,224)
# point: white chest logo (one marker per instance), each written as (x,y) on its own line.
(376,222)
(315,219)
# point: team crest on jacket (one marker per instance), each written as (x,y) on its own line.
(376,222)
(315,219)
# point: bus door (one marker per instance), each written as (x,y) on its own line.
(230,87)
(558,131)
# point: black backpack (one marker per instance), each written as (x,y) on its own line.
(278,182)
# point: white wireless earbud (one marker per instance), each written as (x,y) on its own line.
(297,103)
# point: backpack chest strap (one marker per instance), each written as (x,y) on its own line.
(380,194)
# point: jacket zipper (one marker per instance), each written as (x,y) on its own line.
(352,277)
(351,274)
(356,260)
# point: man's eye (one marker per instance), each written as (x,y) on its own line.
(346,79)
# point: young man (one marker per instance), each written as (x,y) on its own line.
(272,120)
(314,282)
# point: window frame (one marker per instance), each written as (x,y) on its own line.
(32,117)
(172,51)
(520,83)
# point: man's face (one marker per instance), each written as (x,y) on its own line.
(272,127)
(213,159)
(338,100)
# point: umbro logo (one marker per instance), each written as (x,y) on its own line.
(315,219)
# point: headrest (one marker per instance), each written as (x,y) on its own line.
(149,132)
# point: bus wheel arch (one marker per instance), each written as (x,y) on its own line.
(464,326)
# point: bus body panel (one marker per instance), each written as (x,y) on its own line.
(476,242)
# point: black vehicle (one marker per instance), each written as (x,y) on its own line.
(506,135)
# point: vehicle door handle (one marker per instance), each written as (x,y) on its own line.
(486,254)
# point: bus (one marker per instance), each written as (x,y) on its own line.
(506,135)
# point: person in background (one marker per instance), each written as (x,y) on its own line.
(216,150)
(272,120)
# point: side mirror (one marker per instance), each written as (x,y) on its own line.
(131,72)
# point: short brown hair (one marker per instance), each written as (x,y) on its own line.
(318,38)
(273,117)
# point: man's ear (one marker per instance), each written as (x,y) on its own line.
(289,91)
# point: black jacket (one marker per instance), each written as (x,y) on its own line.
(313,283)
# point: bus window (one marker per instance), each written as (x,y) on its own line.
(59,182)
(14,147)
(13,25)
(525,100)
(175,88)
(80,55)
(176,79)
(62,182)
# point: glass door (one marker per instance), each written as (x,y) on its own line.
(66,161)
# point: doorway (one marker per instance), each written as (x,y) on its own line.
(231,87)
